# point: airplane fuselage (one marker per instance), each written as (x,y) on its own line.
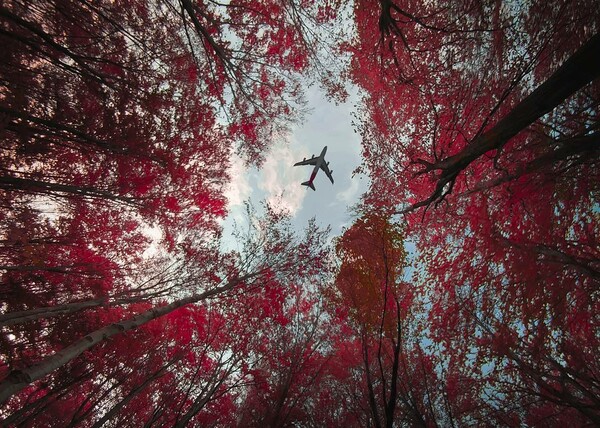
(318,163)
(320,160)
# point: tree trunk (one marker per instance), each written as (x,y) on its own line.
(580,69)
(390,407)
(19,379)
(44,187)
(20,317)
(371,392)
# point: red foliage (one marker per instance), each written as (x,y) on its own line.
(116,119)
(509,255)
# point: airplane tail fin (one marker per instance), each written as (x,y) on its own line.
(309,184)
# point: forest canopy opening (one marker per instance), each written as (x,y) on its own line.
(463,289)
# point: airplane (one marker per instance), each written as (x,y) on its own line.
(318,162)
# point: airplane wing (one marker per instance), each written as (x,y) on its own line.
(311,161)
(325,168)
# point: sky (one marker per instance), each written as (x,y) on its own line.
(278,181)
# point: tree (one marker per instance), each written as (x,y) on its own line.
(291,361)
(273,256)
(118,109)
(97,147)
(497,181)
(397,381)
(448,85)
(118,118)
(285,39)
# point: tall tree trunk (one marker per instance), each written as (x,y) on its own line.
(59,129)
(30,409)
(20,317)
(19,379)
(371,392)
(390,406)
(43,187)
(580,69)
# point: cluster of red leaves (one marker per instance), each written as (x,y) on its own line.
(509,255)
(112,124)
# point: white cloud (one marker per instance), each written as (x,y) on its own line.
(155,234)
(280,180)
(239,188)
(349,195)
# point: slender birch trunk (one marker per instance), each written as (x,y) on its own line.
(19,379)
(20,317)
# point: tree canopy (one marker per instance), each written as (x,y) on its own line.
(464,292)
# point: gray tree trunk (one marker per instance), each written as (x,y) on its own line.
(19,379)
